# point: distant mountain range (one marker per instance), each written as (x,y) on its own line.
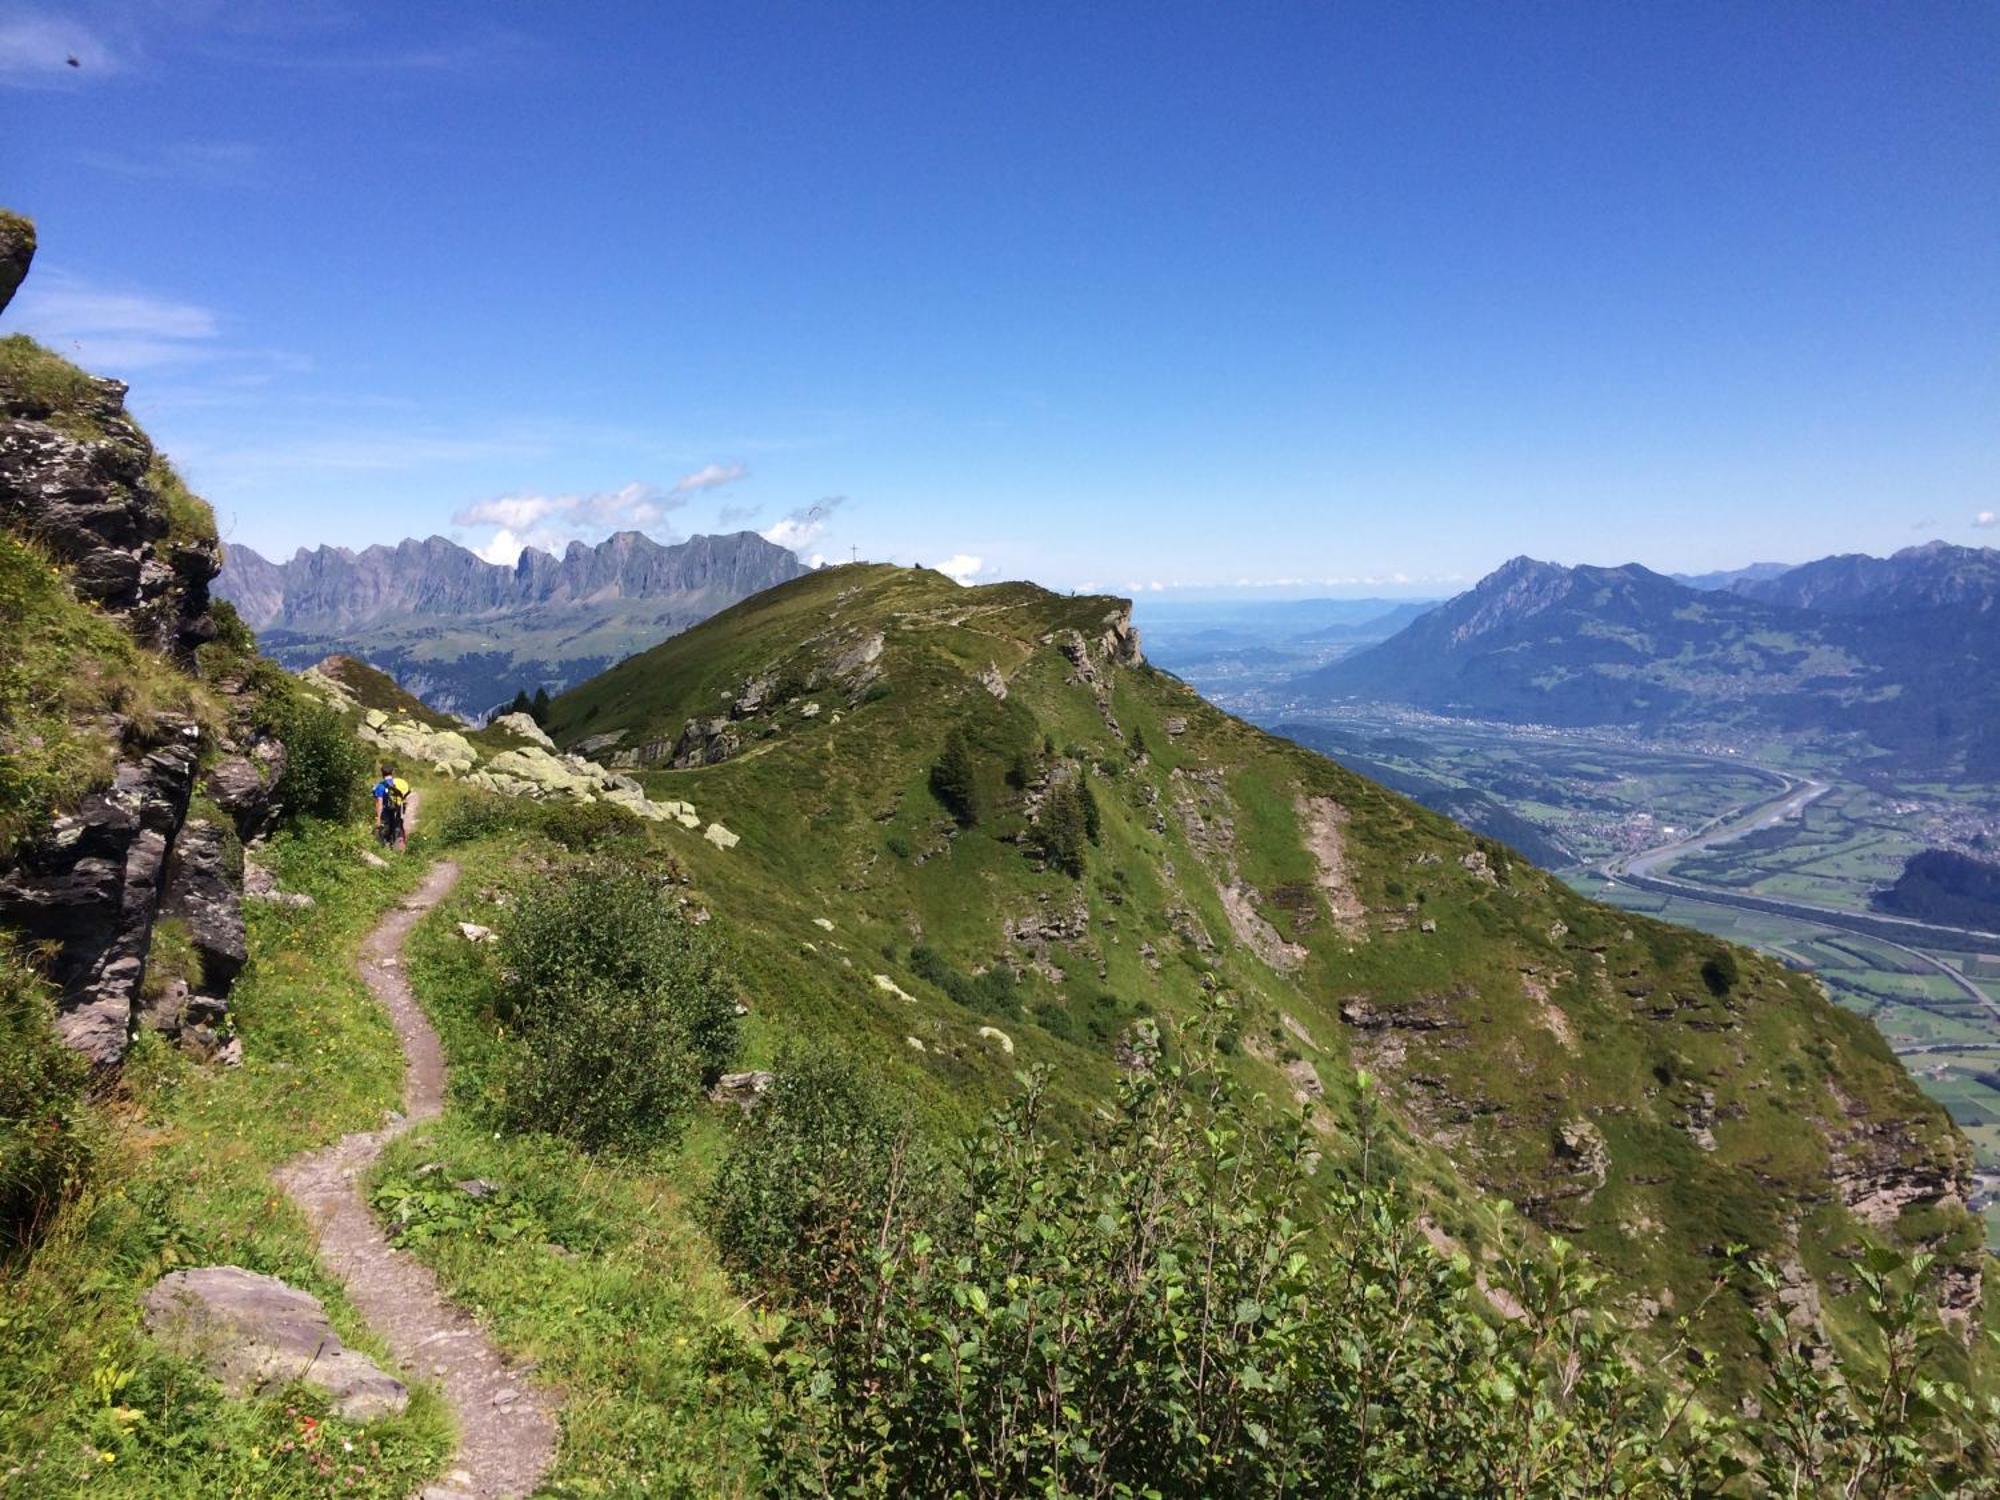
(1896,656)
(465,634)
(1729,577)
(1936,575)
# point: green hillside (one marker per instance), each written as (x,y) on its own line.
(1632,1085)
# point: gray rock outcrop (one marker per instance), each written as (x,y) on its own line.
(85,490)
(245,786)
(705,742)
(80,479)
(202,891)
(92,889)
(255,1334)
(17,249)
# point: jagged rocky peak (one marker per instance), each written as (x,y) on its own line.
(1519,587)
(333,588)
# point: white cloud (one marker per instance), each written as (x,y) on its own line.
(1985,519)
(505,548)
(805,525)
(549,521)
(120,330)
(961,567)
(709,477)
(211,163)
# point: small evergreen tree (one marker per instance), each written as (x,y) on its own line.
(955,779)
(1063,830)
(540,707)
(521,703)
(1720,972)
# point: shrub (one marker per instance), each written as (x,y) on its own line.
(805,1180)
(231,634)
(190,518)
(1142,1313)
(994,993)
(327,769)
(1053,1018)
(582,827)
(620,1009)
(44,1143)
(1720,972)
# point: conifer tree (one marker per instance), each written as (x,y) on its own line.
(955,779)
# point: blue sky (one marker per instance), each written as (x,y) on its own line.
(1100,294)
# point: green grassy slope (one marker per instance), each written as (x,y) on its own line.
(1533,1042)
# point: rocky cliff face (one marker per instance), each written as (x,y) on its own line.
(82,482)
(78,476)
(465,635)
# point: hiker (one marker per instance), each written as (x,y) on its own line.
(392,796)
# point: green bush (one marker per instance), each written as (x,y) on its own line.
(582,827)
(620,1010)
(806,1178)
(994,993)
(231,634)
(45,1154)
(327,769)
(1143,1314)
(1720,972)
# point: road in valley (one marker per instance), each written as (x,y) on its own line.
(1643,870)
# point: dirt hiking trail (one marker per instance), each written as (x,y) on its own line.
(506,1424)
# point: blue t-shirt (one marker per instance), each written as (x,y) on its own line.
(385,791)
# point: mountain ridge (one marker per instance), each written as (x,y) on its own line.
(971,831)
(331,587)
(465,634)
(1914,675)
(1931,575)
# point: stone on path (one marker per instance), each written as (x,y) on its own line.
(254,1333)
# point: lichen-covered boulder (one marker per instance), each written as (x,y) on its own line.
(552,775)
(524,726)
(444,750)
(254,1333)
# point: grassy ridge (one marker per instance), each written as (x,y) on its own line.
(1522,1010)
